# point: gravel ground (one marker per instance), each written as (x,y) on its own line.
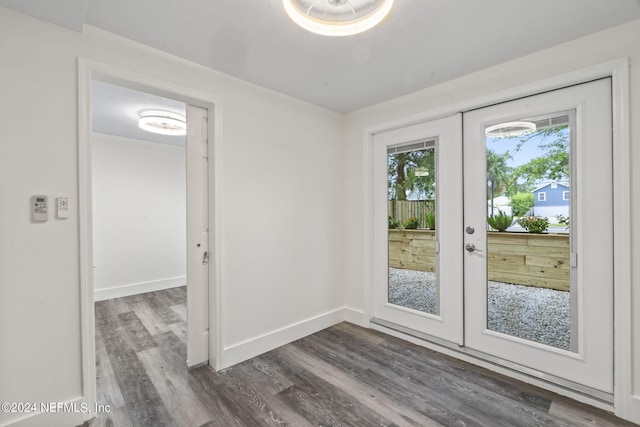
(536,314)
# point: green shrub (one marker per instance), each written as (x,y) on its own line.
(521,203)
(430,219)
(534,224)
(412,223)
(500,222)
(393,223)
(563,220)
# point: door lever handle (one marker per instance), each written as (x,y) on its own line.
(470,247)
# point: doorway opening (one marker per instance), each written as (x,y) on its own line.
(130,186)
(138,195)
(139,208)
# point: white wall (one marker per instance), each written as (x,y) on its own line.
(139,216)
(281,216)
(595,49)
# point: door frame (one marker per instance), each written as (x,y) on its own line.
(624,405)
(89,70)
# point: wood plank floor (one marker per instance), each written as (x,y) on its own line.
(342,376)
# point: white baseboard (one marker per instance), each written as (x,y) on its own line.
(138,288)
(253,347)
(355,316)
(633,413)
(67,414)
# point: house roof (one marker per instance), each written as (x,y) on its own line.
(549,184)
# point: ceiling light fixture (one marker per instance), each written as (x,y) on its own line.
(337,17)
(508,129)
(163,122)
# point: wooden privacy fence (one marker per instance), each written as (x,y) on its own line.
(403,209)
(540,260)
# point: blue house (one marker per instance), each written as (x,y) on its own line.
(551,200)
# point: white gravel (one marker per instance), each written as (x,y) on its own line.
(536,314)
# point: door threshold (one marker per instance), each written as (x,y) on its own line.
(591,394)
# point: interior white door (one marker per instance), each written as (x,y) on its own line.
(588,358)
(197,237)
(427,295)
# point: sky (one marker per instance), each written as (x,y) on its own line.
(527,152)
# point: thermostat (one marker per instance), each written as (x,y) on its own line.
(39,208)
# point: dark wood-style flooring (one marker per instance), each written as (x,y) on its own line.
(342,376)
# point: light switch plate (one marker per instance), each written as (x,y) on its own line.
(62,207)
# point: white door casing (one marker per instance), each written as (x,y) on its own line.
(87,71)
(624,403)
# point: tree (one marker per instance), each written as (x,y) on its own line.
(521,203)
(498,174)
(553,164)
(409,172)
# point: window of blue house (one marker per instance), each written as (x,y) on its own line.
(542,196)
(565,195)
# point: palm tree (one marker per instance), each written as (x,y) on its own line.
(498,174)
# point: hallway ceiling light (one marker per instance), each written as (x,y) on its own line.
(337,17)
(163,122)
(509,129)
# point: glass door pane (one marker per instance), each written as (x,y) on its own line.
(411,179)
(529,229)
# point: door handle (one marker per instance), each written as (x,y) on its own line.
(205,258)
(470,247)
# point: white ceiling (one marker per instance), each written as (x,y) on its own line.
(115,110)
(420,44)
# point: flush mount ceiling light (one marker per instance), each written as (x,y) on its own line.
(163,122)
(510,129)
(337,17)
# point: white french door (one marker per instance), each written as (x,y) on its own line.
(434,147)
(540,302)
(583,112)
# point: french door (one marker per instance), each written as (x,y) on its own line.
(434,151)
(534,289)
